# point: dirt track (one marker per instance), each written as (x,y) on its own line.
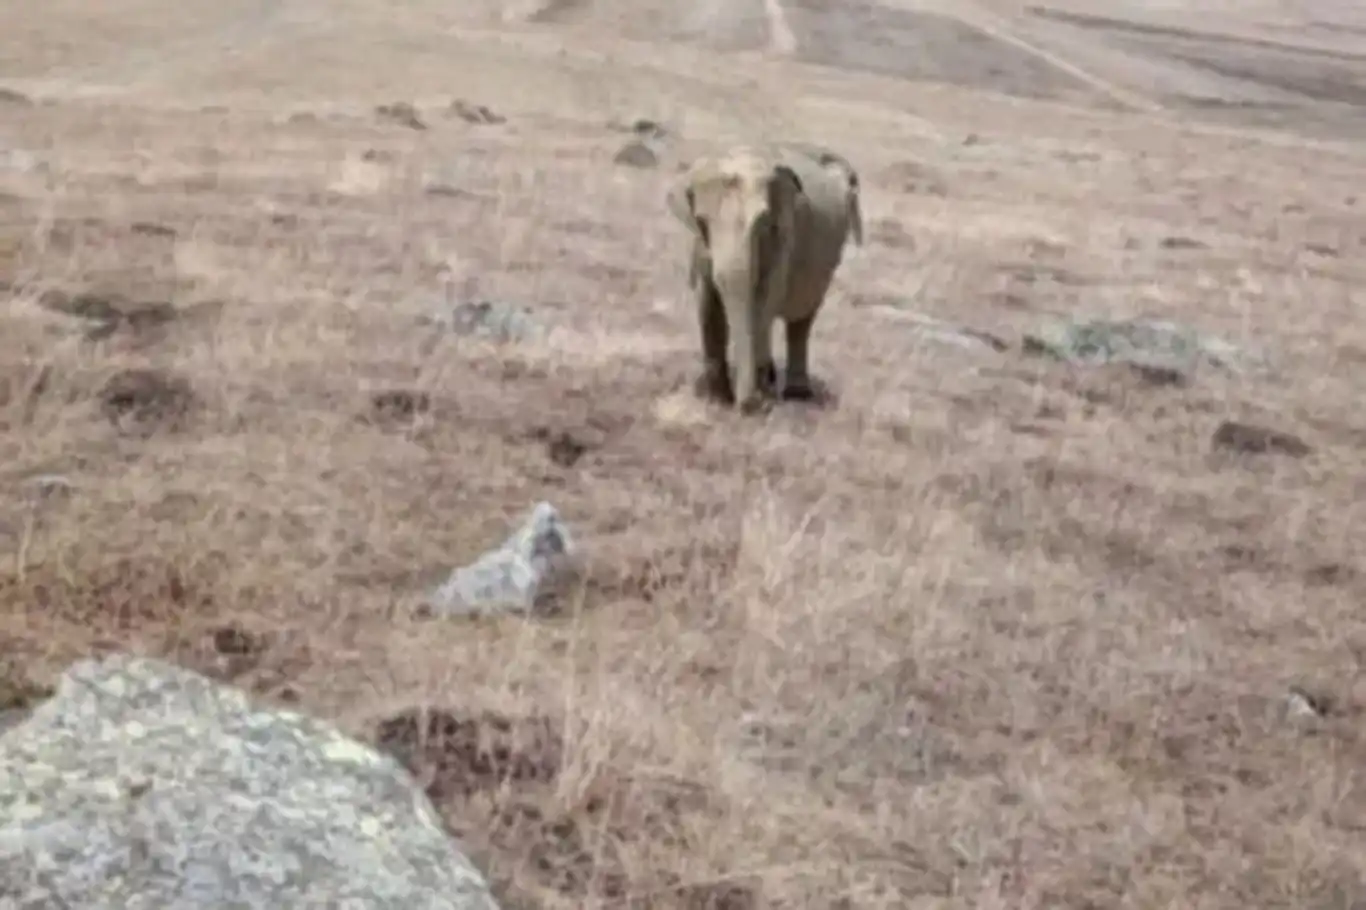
(1039,52)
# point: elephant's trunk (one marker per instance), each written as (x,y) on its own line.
(749,318)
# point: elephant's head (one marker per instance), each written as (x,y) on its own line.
(742,207)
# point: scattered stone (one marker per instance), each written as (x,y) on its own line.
(401,113)
(12,96)
(142,784)
(399,405)
(649,129)
(1161,347)
(1251,439)
(109,312)
(1176,242)
(474,113)
(636,153)
(436,188)
(1322,249)
(377,155)
(507,579)
(150,398)
(1076,157)
(488,319)
(643,127)
(152,229)
(1300,704)
(1158,375)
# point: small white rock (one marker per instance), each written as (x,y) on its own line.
(507,579)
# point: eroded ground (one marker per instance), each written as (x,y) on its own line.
(987,631)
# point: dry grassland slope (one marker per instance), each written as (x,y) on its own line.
(988,631)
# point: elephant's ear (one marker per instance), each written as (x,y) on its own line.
(679,201)
(786,184)
(683,197)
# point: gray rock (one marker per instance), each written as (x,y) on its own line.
(1151,344)
(474,113)
(15,97)
(487,319)
(508,578)
(141,785)
(402,113)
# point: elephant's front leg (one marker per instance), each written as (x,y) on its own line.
(797,382)
(715,381)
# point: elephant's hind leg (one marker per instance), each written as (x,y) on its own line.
(797,384)
(715,381)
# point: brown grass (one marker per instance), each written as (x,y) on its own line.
(988,632)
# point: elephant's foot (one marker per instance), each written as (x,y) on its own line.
(802,387)
(714,384)
(798,388)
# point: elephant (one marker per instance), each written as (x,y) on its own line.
(769,226)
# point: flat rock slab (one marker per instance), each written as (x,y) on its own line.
(143,785)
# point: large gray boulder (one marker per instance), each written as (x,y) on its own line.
(141,785)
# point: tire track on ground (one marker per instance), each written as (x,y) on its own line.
(988,23)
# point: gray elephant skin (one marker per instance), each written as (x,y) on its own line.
(768,227)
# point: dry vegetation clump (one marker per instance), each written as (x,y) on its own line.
(991,631)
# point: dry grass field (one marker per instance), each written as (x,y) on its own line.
(986,630)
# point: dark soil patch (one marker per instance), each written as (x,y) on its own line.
(394,407)
(1253,439)
(457,756)
(494,777)
(564,449)
(146,400)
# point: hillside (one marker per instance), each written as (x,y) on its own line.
(987,629)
